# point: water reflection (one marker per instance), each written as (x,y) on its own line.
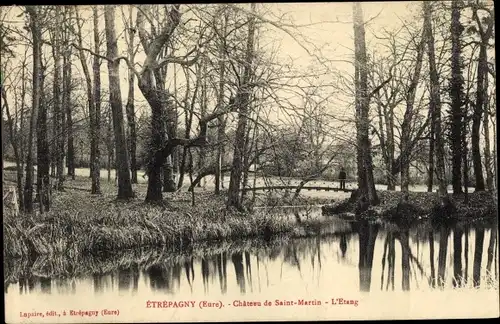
(357,256)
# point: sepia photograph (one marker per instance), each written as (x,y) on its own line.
(230,162)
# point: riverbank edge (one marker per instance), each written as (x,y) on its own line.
(411,206)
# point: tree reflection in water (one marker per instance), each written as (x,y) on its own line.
(492,252)
(478,255)
(237,259)
(444,233)
(248,268)
(432,278)
(457,257)
(46,285)
(189,270)
(205,273)
(343,244)
(375,241)
(405,259)
(162,277)
(367,234)
(128,278)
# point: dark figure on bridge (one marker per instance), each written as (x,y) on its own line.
(342,177)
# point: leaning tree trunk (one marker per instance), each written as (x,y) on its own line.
(13,133)
(115,98)
(242,100)
(435,100)
(365,176)
(456,89)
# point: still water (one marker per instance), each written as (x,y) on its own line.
(346,259)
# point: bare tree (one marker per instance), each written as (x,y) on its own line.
(409,114)
(58,109)
(435,100)
(366,183)
(36,32)
(66,96)
(219,173)
(115,99)
(456,95)
(243,102)
(485,33)
(95,120)
(91,100)
(130,107)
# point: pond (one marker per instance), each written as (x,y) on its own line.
(355,264)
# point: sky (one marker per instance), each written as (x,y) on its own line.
(325,31)
(332,30)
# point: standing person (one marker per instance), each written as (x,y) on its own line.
(342,177)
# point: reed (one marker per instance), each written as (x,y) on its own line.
(80,224)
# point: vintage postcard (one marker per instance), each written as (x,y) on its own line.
(226,162)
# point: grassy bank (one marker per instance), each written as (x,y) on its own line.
(80,223)
(418,205)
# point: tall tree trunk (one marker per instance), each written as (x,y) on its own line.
(203,112)
(476,121)
(486,127)
(243,102)
(91,103)
(495,177)
(220,102)
(435,100)
(388,114)
(465,153)
(58,118)
(110,151)
(246,158)
(43,162)
(481,89)
(155,161)
(187,126)
(365,166)
(409,117)
(130,108)
(37,56)
(67,85)
(430,174)
(456,90)
(122,161)
(96,120)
